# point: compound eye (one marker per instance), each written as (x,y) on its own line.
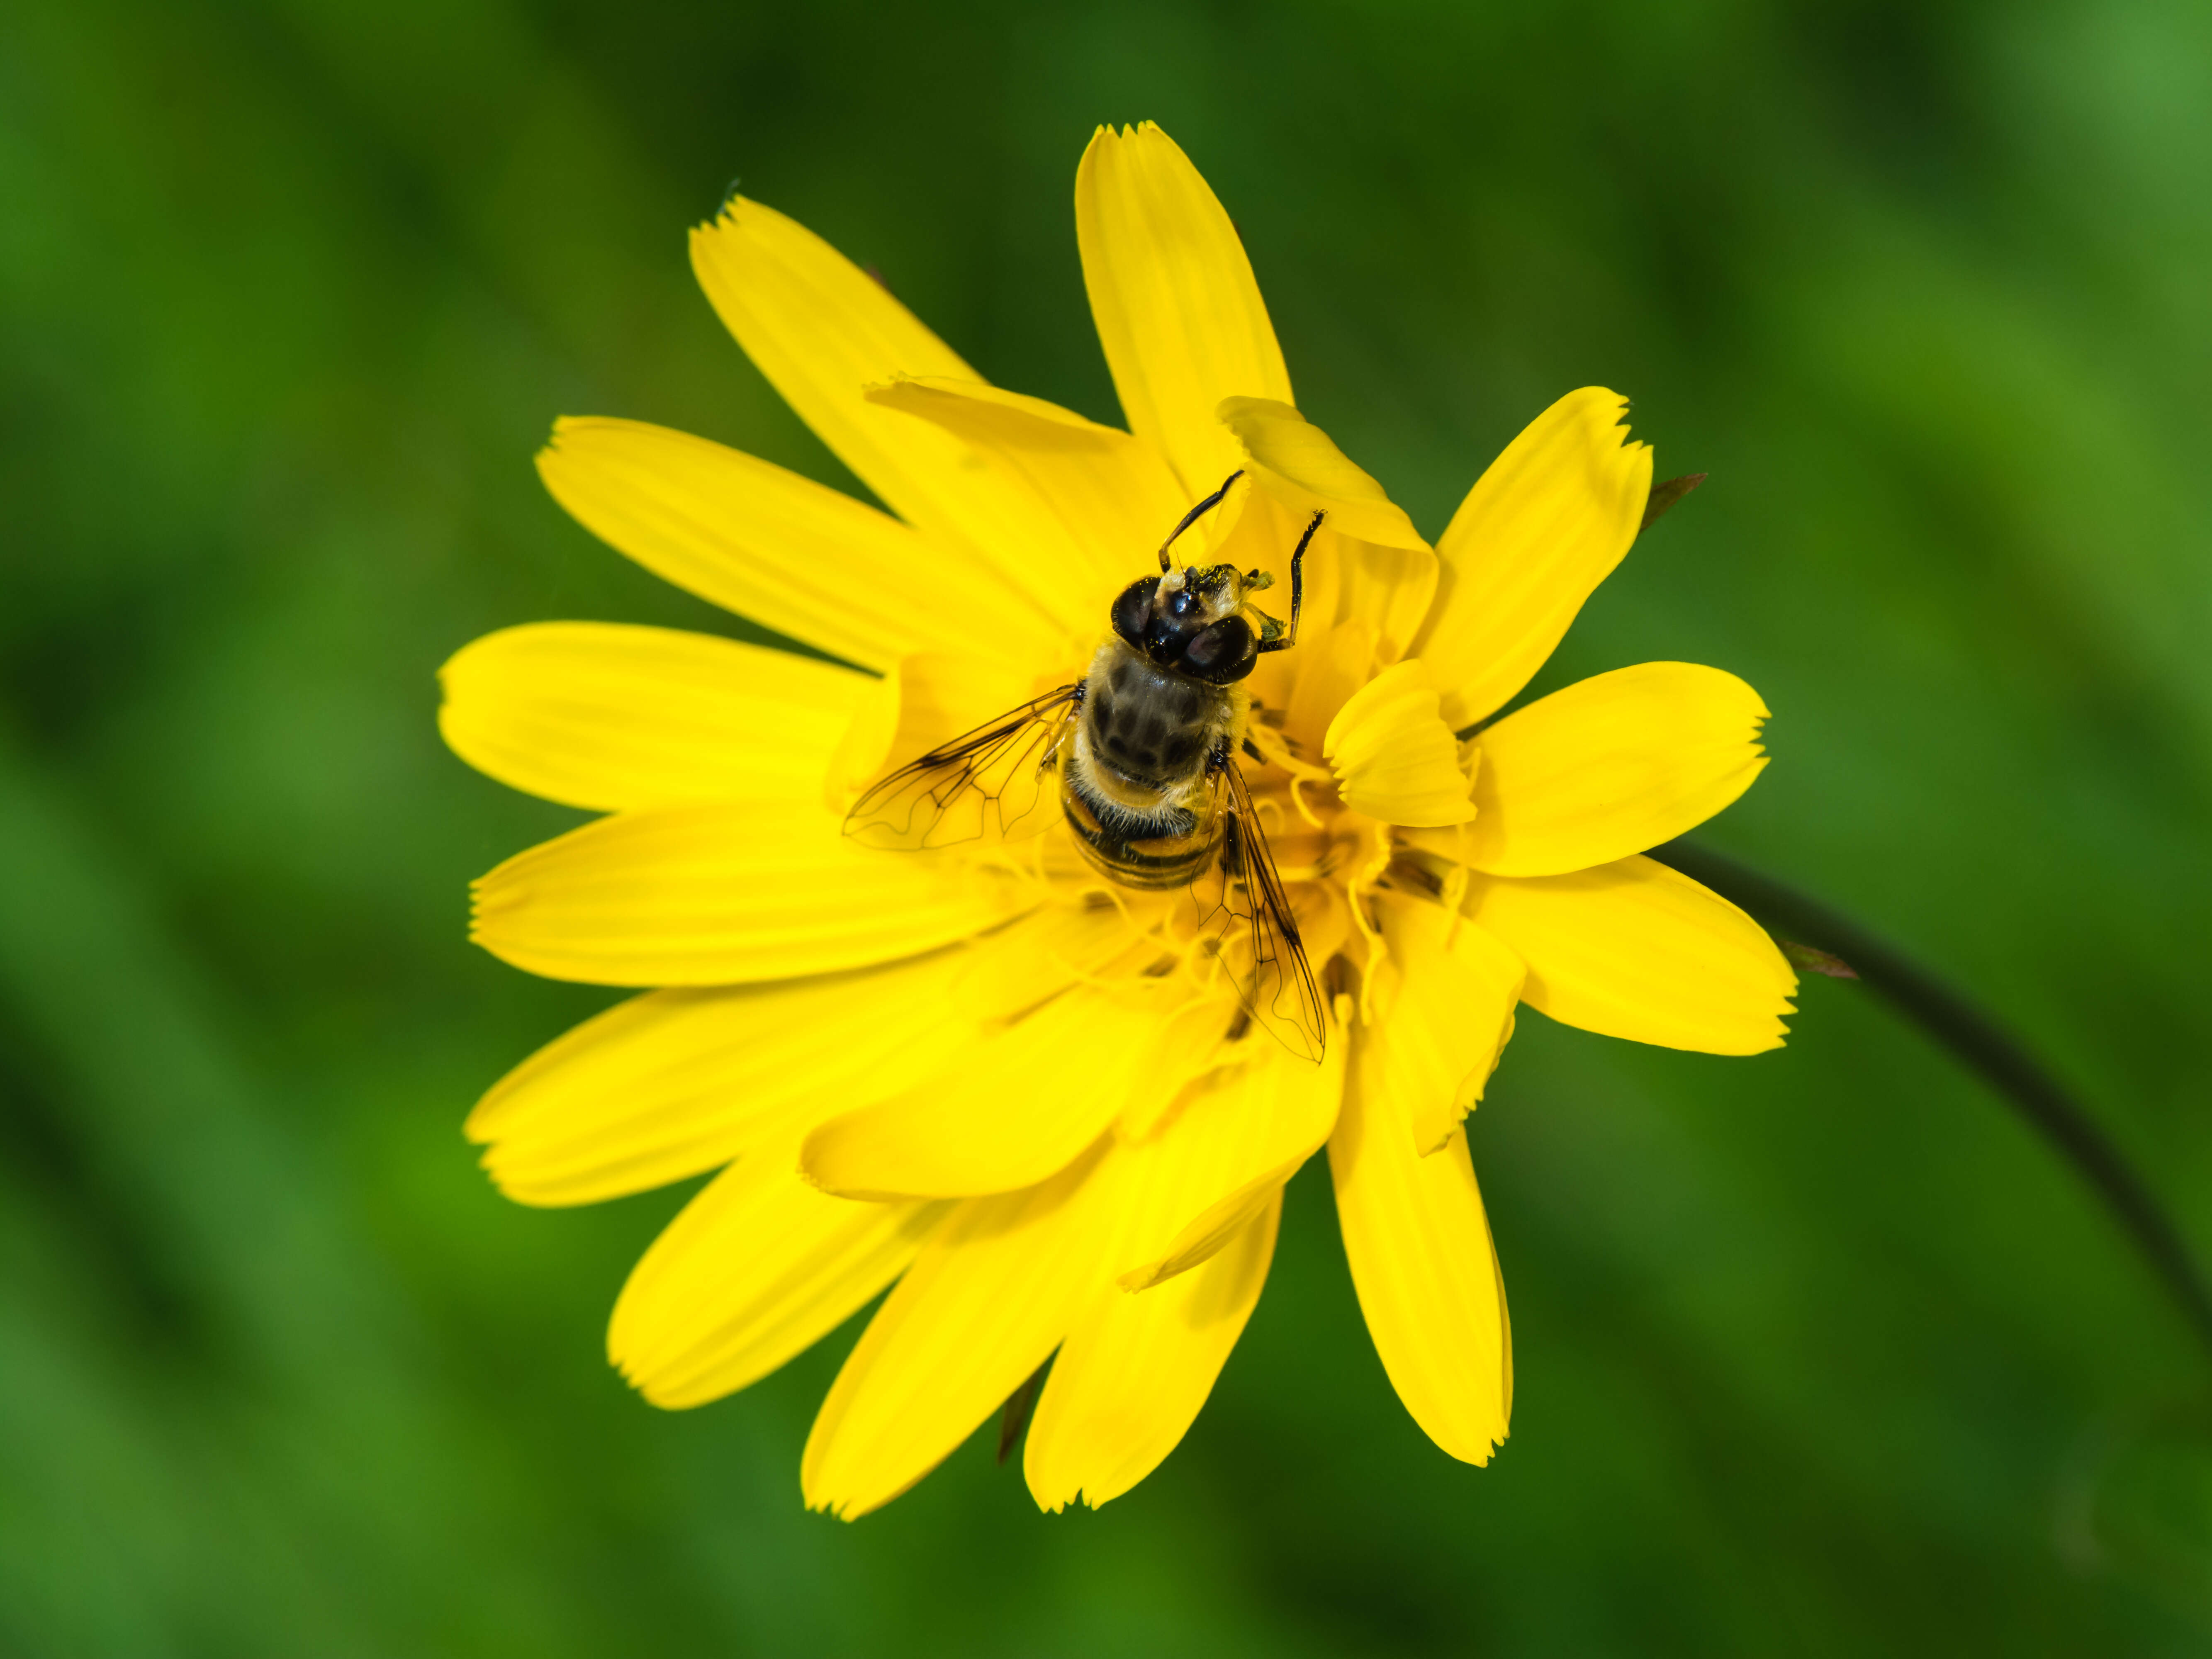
(1222,652)
(1131,610)
(1164,640)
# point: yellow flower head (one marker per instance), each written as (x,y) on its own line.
(1031,1097)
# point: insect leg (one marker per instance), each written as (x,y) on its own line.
(1198,513)
(1217,762)
(1289,636)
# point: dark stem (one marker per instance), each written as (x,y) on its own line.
(1980,1043)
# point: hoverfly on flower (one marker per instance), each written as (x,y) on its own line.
(1025,1030)
(1145,746)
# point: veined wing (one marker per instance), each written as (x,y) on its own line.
(988,782)
(1243,908)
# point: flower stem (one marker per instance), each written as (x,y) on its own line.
(1981,1044)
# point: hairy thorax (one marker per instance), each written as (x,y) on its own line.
(1135,784)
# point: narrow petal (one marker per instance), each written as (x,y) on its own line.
(1424,1267)
(1298,462)
(1635,950)
(1443,1007)
(1230,1149)
(806,561)
(823,331)
(726,895)
(1611,765)
(1321,677)
(1385,590)
(667,1084)
(1535,536)
(1023,1104)
(1136,1369)
(604,716)
(1394,757)
(758,1267)
(1177,308)
(1100,501)
(994,1291)
(1062,941)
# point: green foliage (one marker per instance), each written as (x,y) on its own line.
(1819,1352)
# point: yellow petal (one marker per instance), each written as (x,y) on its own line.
(1021,1105)
(1302,466)
(1424,1267)
(993,1292)
(758,1267)
(1385,590)
(1444,1005)
(1535,536)
(603,716)
(1136,1369)
(823,331)
(1178,310)
(1324,673)
(1612,765)
(806,561)
(1060,942)
(725,895)
(1394,757)
(667,1084)
(1230,1150)
(1100,502)
(1635,949)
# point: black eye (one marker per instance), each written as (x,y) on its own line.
(1131,610)
(1222,652)
(1181,602)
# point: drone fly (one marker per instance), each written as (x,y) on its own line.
(1146,749)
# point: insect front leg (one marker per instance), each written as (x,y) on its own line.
(1289,636)
(1195,515)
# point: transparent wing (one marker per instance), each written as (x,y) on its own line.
(988,782)
(1245,911)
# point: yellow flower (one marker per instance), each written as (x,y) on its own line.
(984,1076)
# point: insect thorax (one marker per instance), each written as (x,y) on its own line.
(1135,786)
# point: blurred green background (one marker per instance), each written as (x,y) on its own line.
(1820,1352)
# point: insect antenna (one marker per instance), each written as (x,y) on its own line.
(1196,513)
